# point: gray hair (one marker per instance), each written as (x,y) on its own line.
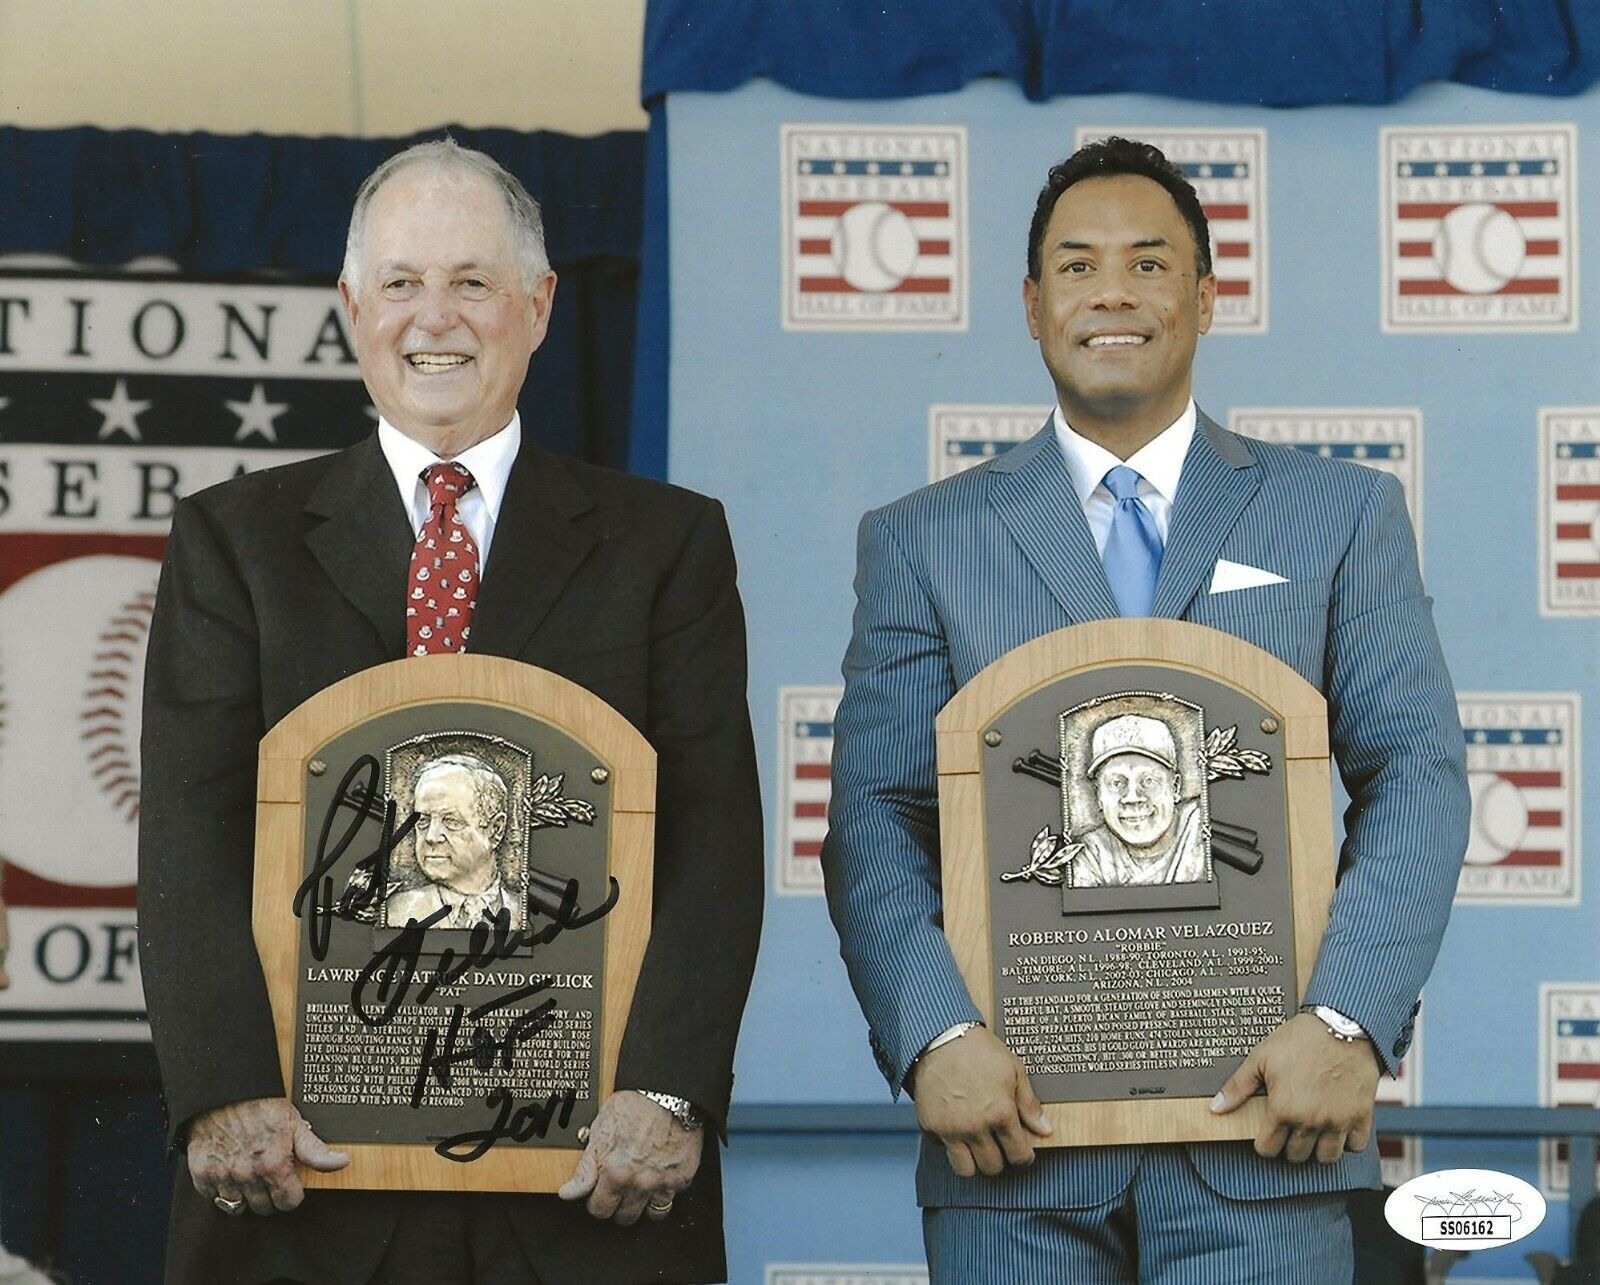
(490,794)
(527,227)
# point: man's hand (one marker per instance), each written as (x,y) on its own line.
(973,1095)
(247,1151)
(1320,1091)
(638,1158)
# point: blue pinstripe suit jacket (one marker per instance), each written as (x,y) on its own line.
(959,573)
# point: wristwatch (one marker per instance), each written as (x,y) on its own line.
(682,1110)
(1339,1026)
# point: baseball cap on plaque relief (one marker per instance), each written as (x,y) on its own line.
(874,227)
(118,395)
(1479,228)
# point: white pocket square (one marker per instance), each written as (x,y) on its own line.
(1228,576)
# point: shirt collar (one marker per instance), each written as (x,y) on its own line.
(1159,461)
(489,461)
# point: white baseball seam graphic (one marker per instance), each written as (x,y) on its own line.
(105,718)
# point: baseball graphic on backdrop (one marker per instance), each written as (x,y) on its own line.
(73,637)
(1479,248)
(874,246)
(1499,818)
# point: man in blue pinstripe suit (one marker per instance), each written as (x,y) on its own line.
(1128,502)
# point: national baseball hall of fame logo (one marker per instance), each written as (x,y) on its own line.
(1569,1061)
(874,227)
(118,395)
(1523,771)
(1388,439)
(1569,511)
(1228,168)
(1479,228)
(961,436)
(805,783)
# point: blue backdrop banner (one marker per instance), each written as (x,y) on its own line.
(1226,51)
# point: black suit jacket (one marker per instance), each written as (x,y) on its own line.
(280,583)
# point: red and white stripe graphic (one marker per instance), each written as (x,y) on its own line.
(1569,501)
(874,247)
(1500,247)
(1569,1058)
(805,750)
(1479,227)
(1227,168)
(1522,767)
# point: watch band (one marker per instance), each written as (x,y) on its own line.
(1339,1026)
(682,1110)
(948,1037)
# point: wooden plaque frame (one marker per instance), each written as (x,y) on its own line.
(285,761)
(1197,649)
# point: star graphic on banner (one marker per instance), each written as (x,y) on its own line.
(257,414)
(121,413)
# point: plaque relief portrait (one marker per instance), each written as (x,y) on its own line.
(462,806)
(477,803)
(1133,792)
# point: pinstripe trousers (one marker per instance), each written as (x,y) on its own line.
(1166,1228)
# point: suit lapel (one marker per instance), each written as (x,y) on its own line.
(365,541)
(1033,495)
(1219,479)
(538,546)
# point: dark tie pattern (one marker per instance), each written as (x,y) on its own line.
(444,569)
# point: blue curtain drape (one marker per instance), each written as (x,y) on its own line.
(1226,51)
(221,206)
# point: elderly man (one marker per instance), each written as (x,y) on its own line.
(460,802)
(1127,502)
(1149,834)
(277,585)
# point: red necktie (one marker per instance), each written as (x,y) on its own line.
(444,569)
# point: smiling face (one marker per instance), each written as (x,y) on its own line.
(1138,798)
(1118,307)
(444,322)
(455,846)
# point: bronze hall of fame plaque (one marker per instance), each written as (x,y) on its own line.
(1136,824)
(452,902)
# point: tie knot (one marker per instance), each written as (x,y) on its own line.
(447,483)
(1122,482)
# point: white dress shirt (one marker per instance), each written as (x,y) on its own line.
(1159,464)
(489,462)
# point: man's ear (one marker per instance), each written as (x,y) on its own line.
(1207,288)
(351,307)
(496,829)
(1030,304)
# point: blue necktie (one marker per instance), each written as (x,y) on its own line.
(1132,554)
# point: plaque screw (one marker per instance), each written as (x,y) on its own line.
(1269,725)
(992,737)
(583,1134)
(599,776)
(317,767)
